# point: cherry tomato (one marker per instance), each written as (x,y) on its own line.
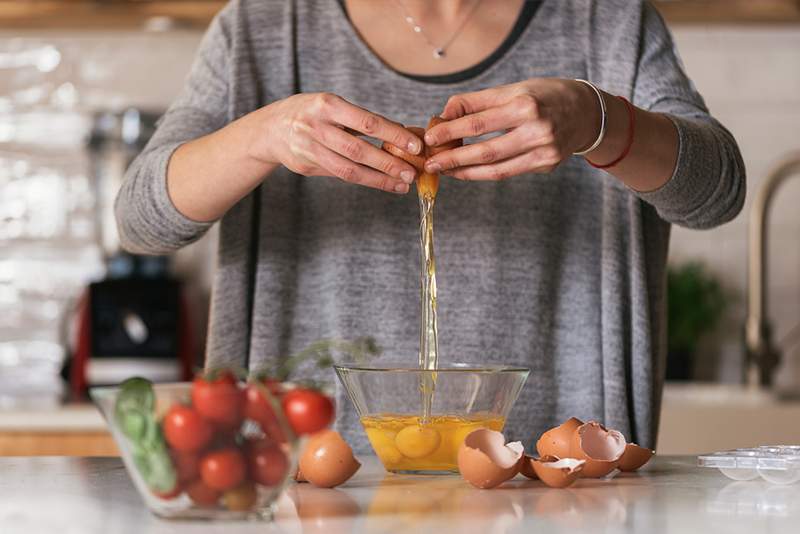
(185,430)
(169,495)
(307,410)
(266,462)
(201,494)
(187,464)
(219,400)
(223,469)
(240,498)
(258,409)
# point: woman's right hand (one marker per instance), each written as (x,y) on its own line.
(317,134)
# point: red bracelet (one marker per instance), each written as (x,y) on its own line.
(628,144)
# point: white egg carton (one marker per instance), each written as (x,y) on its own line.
(778,464)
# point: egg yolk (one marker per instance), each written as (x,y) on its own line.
(384,446)
(417,441)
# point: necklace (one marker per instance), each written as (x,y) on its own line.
(438,51)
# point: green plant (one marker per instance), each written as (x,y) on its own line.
(696,302)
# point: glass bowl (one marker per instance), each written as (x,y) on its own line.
(155,466)
(391,404)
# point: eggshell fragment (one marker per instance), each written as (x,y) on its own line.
(526,467)
(558,473)
(416,160)
(485,461)
(328,460)
(557,440)
(433,150)
(634,457)
(601,448)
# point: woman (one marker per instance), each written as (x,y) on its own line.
(544,260)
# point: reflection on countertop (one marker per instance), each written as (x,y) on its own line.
(670,495)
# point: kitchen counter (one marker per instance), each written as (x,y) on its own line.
(670,495)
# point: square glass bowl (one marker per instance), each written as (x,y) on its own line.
(391,403)
(150,462)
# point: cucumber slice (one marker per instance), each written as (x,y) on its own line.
(134,413)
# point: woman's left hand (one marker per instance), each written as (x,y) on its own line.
(543,120)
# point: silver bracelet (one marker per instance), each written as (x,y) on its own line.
(603,120)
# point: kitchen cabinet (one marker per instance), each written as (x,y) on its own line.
(195,14)
(71,430)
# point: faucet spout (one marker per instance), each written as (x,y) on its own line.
(762,357)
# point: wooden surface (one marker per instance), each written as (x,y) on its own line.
(57,444)
(195,14)
(730,11)
(106,15)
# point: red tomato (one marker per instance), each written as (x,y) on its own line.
(169,495)
(201,494)
(258,409)
(219,400)
(223,469)
(266,462)
(187,464)
(307,410)
(185,430)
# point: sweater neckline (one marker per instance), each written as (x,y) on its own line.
(474,73)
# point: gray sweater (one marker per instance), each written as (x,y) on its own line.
(562,273)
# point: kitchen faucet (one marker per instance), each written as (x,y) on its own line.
(762,356)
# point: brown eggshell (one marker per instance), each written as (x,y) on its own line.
(600,447)
(433,150)
(558,473)
(485,461)
(416,160)
(298,476)
(557,440)
(634,457)
(328,460)
(526,467)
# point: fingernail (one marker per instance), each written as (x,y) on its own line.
(430,139)
(401,188)
(433,167)
(413,147)
(407,176)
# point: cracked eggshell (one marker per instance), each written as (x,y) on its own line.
(634,457)
(484,459)
(601,448)
(416,160)
(557,440)
(556,472)
(327,460)
(526,467)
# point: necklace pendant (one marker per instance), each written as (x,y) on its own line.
(438,53)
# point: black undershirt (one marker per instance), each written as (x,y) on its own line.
(528,11)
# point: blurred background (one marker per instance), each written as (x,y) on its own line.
(81,86)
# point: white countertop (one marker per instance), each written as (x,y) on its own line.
(671,495)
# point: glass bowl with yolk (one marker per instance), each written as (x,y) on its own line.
(389,401)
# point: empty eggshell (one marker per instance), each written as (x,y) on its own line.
(526,467)
(556,472)
(557,440)
(486,461)
(327,460)
(634,457)
(601,448)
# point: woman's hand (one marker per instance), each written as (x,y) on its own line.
(316,134)
(544,121)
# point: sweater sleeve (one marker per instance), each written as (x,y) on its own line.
(708,185)
(148,221)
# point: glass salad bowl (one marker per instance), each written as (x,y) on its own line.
(390,401)
(231,462)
